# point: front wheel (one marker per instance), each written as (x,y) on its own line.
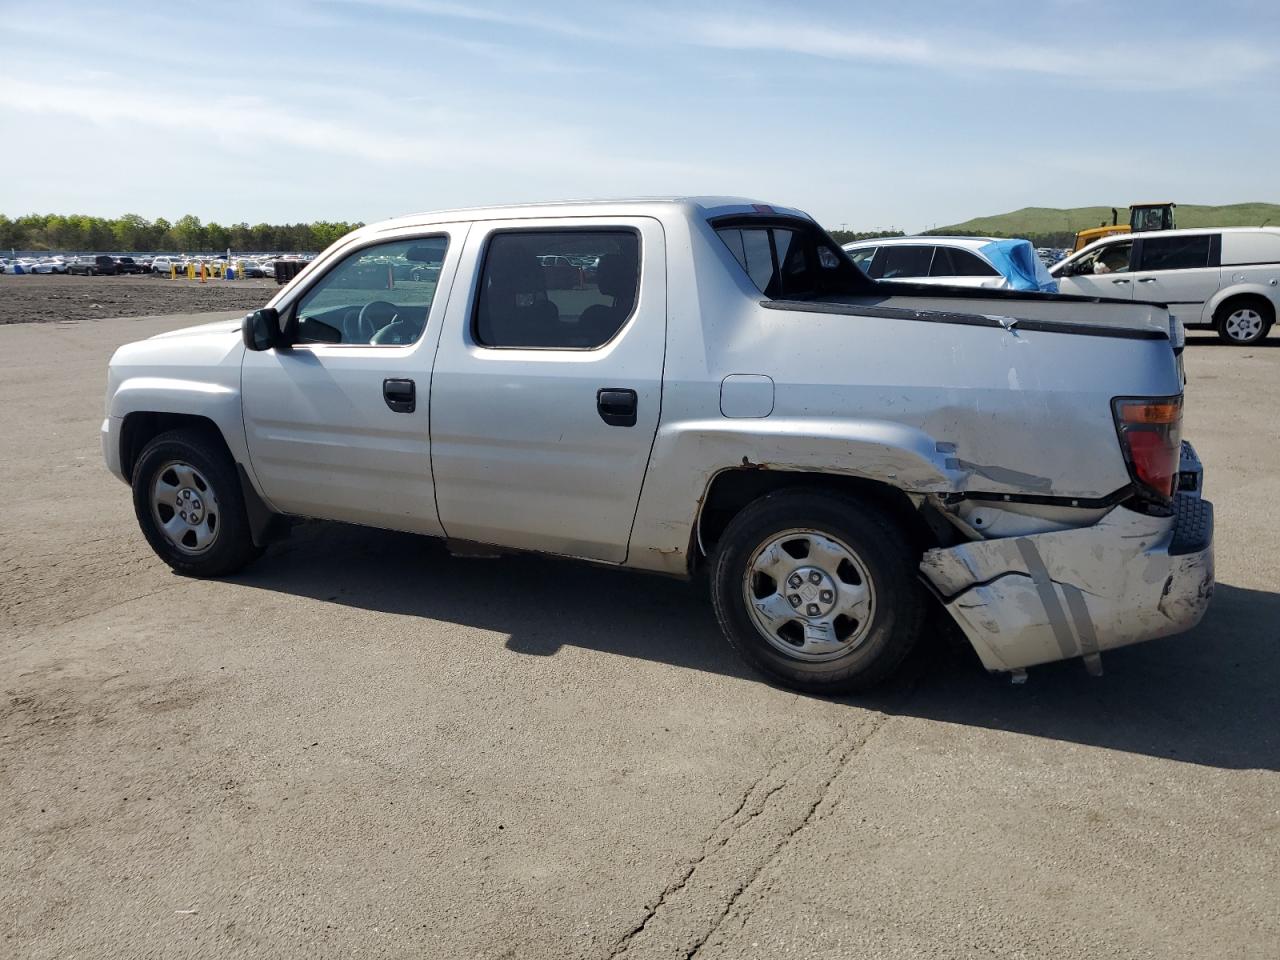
(189,505)
(818,591)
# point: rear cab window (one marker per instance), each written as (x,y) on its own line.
(789,258)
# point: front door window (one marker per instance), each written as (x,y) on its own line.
(377,296)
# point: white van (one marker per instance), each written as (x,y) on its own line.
(1227,279)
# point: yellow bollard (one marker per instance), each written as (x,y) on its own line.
(191,271)
(202,270)
(173,271)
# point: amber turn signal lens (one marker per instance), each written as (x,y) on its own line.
(1149,411)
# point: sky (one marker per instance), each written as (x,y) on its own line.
(906,114)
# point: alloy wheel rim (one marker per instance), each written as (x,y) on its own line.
(1244,324)
(809,595)
(185,507)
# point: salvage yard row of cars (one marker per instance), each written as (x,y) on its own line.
(110,265)
(1225,279)
(842,457)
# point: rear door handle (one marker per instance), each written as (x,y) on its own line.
(617,406)
(401,395)
(1119,281)
(1148,279)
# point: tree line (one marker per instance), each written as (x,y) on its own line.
(1052,238)
(849,236)
(132,233)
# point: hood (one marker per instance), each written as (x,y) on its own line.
(207,351)
(231,325)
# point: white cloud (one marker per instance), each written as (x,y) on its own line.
(1176,66)
(457,139)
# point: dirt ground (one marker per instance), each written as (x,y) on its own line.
(362,746)
(48,298)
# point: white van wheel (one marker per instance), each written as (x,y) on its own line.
(1242,323)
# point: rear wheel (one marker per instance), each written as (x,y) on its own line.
(1243,322)
(817,590)
(187,498)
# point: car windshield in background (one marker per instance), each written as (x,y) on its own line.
(791,260)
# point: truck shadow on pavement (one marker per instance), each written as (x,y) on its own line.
(1209,697)
(1213,340)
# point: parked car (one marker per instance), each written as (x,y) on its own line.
(1226,279)
(741,399)
(127,265)
(162,264)
(252,269)
(47,266)
(97,265)
(954,261)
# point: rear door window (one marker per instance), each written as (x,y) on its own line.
(1176,253)
(953,262)
(557,289)
(904,261)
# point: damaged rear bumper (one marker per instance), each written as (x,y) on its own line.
(1051,596)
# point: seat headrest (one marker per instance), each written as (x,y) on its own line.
(616,276)
(513,269)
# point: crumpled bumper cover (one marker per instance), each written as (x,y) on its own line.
(1051,596)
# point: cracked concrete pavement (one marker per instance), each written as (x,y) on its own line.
(363,746)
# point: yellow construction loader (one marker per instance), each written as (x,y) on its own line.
(1142,216)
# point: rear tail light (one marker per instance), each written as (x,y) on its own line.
(1150,430)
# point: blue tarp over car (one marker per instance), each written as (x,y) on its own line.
(1017,261)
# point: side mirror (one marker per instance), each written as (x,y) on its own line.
(261,329)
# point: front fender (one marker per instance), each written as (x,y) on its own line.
(214,401)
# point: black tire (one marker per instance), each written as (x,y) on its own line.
(216,481)
(886,552)
(1257,306)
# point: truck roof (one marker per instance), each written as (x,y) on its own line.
(701,207)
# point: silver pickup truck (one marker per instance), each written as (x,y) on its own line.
(692,386)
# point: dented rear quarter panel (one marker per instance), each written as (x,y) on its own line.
(929,407)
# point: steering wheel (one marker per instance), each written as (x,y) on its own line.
(397,332)
(373,317)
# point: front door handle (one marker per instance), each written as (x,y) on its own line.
(401,395)
(1119,281)
(1148,279)
(617,406)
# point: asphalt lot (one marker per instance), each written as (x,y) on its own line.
(365,747)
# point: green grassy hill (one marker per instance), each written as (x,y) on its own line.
(1039,221)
